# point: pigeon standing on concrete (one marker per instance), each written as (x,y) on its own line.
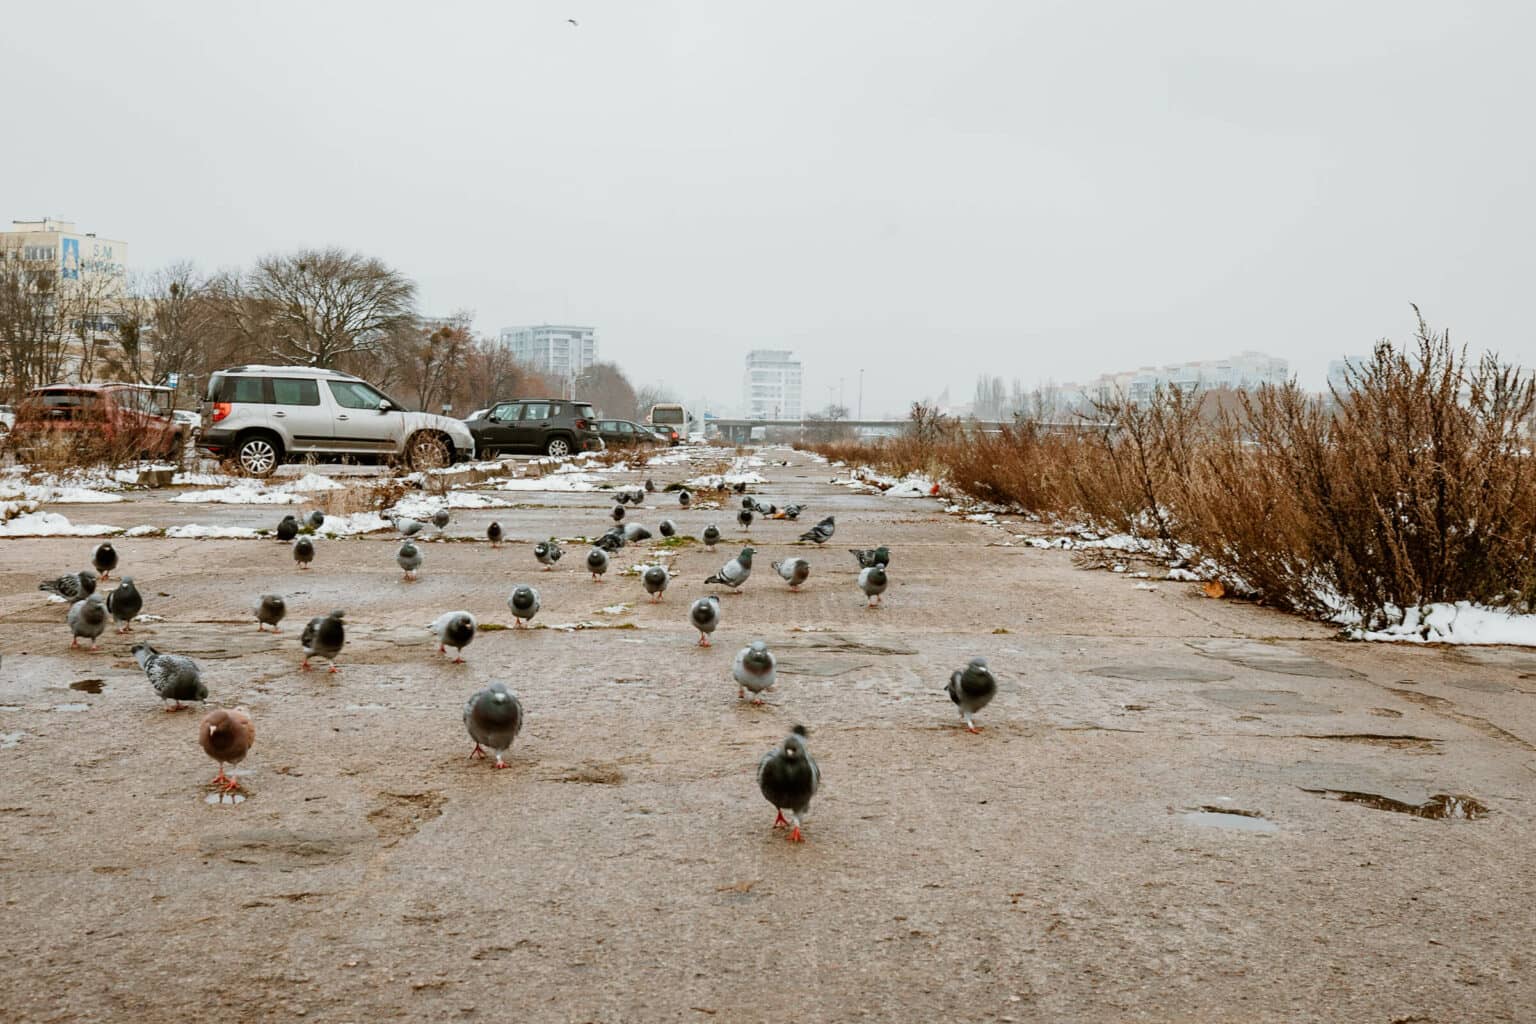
(705,616)
(88,618)
(270,609)
(323,638)
(226,736)
(612,540)
(456,630)
(315,519)
(303,552)
(872,556)
(794,570)
(494,717)
(655,578)
(548,553)
(735,572)
(105,559)
(618,511)
(685,497)
(125,602)
(744,517)
(73,586)
(622,497)
(408,527)
(793,511)
(409,559)
(788,778)
(175,678)
(493,534)
(822,531)
(873,582)
(754,670)
(440,519)
(288,528)
(748,502)
(667,528)
(711,536)
(635,533)
(650,486)
(597,563)
(972,688)
(524,602)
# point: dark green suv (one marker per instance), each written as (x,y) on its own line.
(536,426)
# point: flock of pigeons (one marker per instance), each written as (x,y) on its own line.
(787,775)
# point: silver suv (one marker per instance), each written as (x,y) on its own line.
(261,415)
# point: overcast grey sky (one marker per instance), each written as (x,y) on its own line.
(926,190)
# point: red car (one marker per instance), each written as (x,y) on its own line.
(116,419)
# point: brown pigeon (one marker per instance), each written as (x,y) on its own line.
(226,736)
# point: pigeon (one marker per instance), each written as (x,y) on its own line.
(226,736)
(613,540)
(618,510)
(323,638)
(125,603)
(794,570)
(175,677)
(655,578)
(667,528)
(637,496)
(634,533)
(105,559)
(287,529)
(748,503)
(548,553)
(524,602)
(711,536)
(73,586)
(494,717)
(650,486)
(766,511)
(822,531)
(873,582)
(873,556)
(754,670)
(440,519)
(493,534)
(684,497)
(972,689)
(735,572)
(303,552)
(793,511)
(409,559)
(456,630)
(597,563)
(315,519)
(740,487)
(270,609)
(705,616)
(408,527)
(88,618)
(788,777)
(744,517)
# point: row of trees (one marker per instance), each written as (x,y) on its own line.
(315,307)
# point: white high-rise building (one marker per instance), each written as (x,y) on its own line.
(770,386)
(559,350)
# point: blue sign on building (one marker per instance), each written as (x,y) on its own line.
(70,265)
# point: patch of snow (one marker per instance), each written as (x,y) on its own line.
(310,482)
(570,482)
(613,609)
(1146,586)
(56,494)
(144,530)
(200,532)
(1460,623)
(50,524)
(202,480)
(351,525)
(240,494)
(1183,576)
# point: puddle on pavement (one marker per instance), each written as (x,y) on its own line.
(1271,658)
(71,707)
(224,799)
(1160,674)
(86,685)
(1439,807)
(820,669)
(1212,816)
(1284,702)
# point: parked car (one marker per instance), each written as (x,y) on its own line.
(545,426)
(191,419)
(260,416)
(109,420)
(626,434)
(665,434)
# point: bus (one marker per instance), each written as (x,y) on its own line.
(672,417)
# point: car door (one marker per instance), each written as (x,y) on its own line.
(358,425)
(529,432)
(499,426)
(297,408)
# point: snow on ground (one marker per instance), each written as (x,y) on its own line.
(913,485)
(197,530)
(312,482)
(247,493)
(203,480)
(51,524)
(421,506)
(55,494)
(554,482)
(351,525)
(1460,623)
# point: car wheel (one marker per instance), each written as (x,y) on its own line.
(427,451)
(558,448)
(258,455)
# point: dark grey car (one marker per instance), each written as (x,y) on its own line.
(540,426)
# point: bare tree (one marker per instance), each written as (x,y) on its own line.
(167,320)
(609,391)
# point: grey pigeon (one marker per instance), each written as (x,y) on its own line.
(88,618)
(634,533)
(440,519)
(650,485)
(822,531)
(288,528)
(524,602)
(705,616)
(711,536)
(409,527)
(408,558)
(73,586)
(735,572)
(494,717)
(667,528)
(618,510)
(493,534)
(793,511)
(637,496)
(548,553)
(622,497)
(754,670)
(748,503)
(873,582)
(764,510)
(794,570)
(740,487)
(972,689)
(175,678)
(315,520)
(684,497)
(270,609)
(597,563)
(744,517)
(655,578)
(323,638)
(872,556)
(788,778)
(303,552)
(104,559)
(125,602)
(613,540)
(456,630)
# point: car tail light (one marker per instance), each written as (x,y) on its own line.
(581,424)
(221,410)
